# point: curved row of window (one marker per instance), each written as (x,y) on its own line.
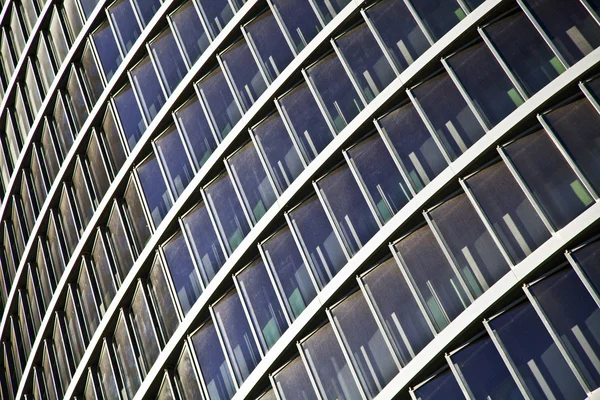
(381,172)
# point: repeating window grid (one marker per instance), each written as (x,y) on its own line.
(224,348)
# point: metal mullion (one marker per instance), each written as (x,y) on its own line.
(344,347)
(317,12)
(304,159)
(379,41)
(203,20)
(542,33)
(248,312)
(161,77)
(284,29)
(332,221)
(419,22)
(449,256)
(138,96)
(460,380)
(319,101)
(239,191)
(589,9)
(526,190)
(589,96)
(476,112)
(430,128)
(583,277)
(196,368)
(512,368)
(162,168)
(237,97)
(350,74)
(509,73)
(263,159)
(261,65)
(160,253)
(362,187)
(415,292)
(192,255)
(214,219)
(276,284)
(556,339)
(580,175)
(376,316)
(226,354)
(212,123)
(309,372)
(144,202)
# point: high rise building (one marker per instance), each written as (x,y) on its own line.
(300,199)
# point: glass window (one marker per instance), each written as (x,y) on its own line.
(91,74)
(266,313)
(74,18)
(252,182)
(367,63)
(166,390)
(39,385)
(530,349)
(218,103)
(146,9)
(227,212)
(126,357)
(17,34)
(329,367)
(43,61)
(168,60)
(22,112)
(575,318)
(292,381)
(69,220)
(91,391)
(154,189)
(81,194)
(34,297)
(124,22)
(365,343)
(290,274)
(48,277)
(316,239)
(233,327)
(88,6)
(12,137)
(76,99)
(328,9)
(50,373)
(195,132)
(18,351)
(399,32)
(184,273)
(438,16)
(129,115)
(186,380)
(120,246)
(45,163)
(107,50)
(87,293)
(379,176)
(173,159)
(148,88)
(298,21)
(97,167)
(73,322)
(55,246)
(192,38)
(62,127)
(58,36)
(439,288)
(525,52)
(103,270)
(513,218)
(134,211)
(30,11)
(203,242)
(470,245)
(334,91)
(569,25)
(213,367)
(441,387)
(488,87)
(548,176)
(143,325)
(447,112)
(10,249)
(351,215)
(577,126)
(162,301)
(216,14)
(34,96)
(115,150)
(25,323)
(7,54)
(106,373)
(246,79)
(587,259)
(63,356)
(269,44)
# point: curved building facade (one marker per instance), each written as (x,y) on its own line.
(300,199)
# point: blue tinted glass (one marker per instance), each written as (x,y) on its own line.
(146,9)
(88,6)
(442,387)
(292,382)
(129,115)
(251,178)
(170,64)
(107,49)
(174,161)
(216,13)
(154,188)
(148,88)
(439,16)
(203,241)
(299,21)
(221,109)
(228,213)
(183,272)
(329,8)
(124,23)
(190,32)
(195,131)
(317,240)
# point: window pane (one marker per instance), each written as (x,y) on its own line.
(174,160)
(370,354)
(317,240)
(227,212)
(74,19)
(107,50)
(260,298)
(183,272)
(170,64)
(56,246)
(510,214)
(154,189)
(136,215)
(553,183)
(251,179)
(34,96)
(81,195)
(119,242)
(195,131)
(88,6)
(216,13)
(486,83)
(63,361)
(329,8)
(213,367)
(106,373)
(221,110)
(439,16)
(129,115)
(189,31)
(114,145)
(126,358)
(587,258)
(470,245)
(203,241)
(379,176)
(97,167)
(163,303)
(125,24)
(352,217)
(398,31)
(301,24)
(412,145)
(186,379)
(103,271)
(327,363)
(449,115)
(76,100)
(305,121)
(74,329)
(148,89)
(404,322)
(143,325)
(245,77)
(292,382)
(369,67)
(91,75)
(335,91)
(442,387)
(529,347)
(58,36)
(436,282)
(235,331)
(146,9)
(87,292)
(62,126)
(269,44)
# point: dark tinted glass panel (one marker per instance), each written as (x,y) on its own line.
(62,127)
(119,243)
(87,294)
(91,74)
(292,382)
(147,86)
(107,50)
(81,195)
(114,146)
(221,110)
(439,16)
(129,115)
(143,325)
(586,257)
(155,190)
(216,14)
(175,164)
(189,31)
(328,9)
(74,329)
(299,21)
(125,357)
(124,23)
(146,9)
(136,215)
(97,167)
(103,270)
(170,64)
(195,131)
(185,377)
(441,387)
(162,301)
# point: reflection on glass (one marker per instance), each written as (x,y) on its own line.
(218,103)
(216,14)
(328,9)
(103,271)
(174,161)
(163,303)
(292,381)
(143,325)
(195,132)
(185,377)
(441,387)
(189,31)
(129,115)
(126,357)
(154,188)
(91,74)
(587,258)
(147,86)
(438,16)
(124,23)
(299,21)
(119,243)
(106,372)
(169,63)
(106,47)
